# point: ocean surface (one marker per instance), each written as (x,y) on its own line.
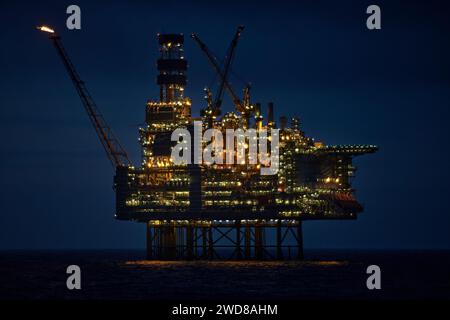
(326,274)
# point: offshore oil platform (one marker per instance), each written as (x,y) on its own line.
(221,211)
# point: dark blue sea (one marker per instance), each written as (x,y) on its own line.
(333,274)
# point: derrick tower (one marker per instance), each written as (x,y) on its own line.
(173,109)
(172,67)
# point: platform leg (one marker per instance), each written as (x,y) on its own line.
(258,242)
(204,243)
(247,242)
(189,242)
(210,243)
(300,254)
(238,240)
(279,241)
(149,241)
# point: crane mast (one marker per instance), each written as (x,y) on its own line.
(114,150)
(222,74)
(228,59)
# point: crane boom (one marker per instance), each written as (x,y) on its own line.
(214,63)
(229,58)
(114,150)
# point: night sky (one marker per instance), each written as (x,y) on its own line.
(313,59)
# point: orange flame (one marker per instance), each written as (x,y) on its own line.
(46,29)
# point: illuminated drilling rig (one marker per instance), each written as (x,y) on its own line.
(209,211)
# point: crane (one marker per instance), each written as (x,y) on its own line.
(114,150)
(222,74)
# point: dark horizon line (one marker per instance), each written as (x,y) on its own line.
(306,249)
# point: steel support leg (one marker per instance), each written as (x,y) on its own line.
(238,240)
(149,241)
(258,242)
(210,243)
(247,242)
(189,242)
(204,241)
(279,241)
(300,254)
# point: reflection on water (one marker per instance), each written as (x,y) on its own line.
(157,264)
(125,275)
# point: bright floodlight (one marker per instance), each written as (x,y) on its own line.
(45,29)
